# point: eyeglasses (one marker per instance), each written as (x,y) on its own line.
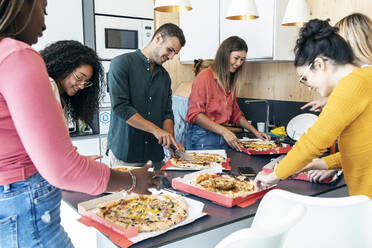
(86,84)
(303,80)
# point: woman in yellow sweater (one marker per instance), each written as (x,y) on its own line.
(356,29)
(324,61)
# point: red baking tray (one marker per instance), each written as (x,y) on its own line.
(183,184)
(281,150)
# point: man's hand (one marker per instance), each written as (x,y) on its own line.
(180,147)
(165,138)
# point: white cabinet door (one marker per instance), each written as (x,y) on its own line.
(137,8)
(87,145)
(64,22)
(201,30)
(257,33)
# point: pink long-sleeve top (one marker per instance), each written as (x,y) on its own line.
(33,135)
(209,98)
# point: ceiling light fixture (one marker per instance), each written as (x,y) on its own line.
(173,5)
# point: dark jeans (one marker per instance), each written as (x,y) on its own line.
(199,138)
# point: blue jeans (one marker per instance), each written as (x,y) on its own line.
(30,215)
(199,138)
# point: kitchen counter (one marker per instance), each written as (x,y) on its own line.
(209,230)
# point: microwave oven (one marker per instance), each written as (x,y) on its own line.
(118,35)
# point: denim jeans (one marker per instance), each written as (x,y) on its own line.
(199,138)
(30,215)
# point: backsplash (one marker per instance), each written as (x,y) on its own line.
(280,113)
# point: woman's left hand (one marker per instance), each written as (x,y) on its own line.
(264,180)
(263,136)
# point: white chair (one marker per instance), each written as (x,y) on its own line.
(329,222)
(270,236)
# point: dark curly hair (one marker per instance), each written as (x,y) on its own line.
(61,59)
(318,38)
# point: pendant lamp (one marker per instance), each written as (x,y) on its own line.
(242,10)
(296,13)
(173,5)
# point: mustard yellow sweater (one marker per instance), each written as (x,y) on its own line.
(347,115)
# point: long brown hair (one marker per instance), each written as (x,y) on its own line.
(356,29)
(9,10)
(221,64)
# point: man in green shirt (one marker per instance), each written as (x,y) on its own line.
(141,106)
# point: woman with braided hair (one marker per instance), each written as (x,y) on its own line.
(325,62)
(76,76)
(36,156)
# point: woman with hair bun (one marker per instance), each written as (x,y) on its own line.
(356,29)
(325,62)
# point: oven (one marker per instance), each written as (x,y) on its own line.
(117,35)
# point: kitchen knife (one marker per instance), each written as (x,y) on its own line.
(181,154)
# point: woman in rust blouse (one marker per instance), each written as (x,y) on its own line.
(212,103)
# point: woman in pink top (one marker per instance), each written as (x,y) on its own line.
(36,154)
(212,103)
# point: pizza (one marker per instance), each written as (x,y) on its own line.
(146,212)
(201,161)
(260,145)
(227,185)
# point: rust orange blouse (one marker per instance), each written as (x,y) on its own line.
(209,98)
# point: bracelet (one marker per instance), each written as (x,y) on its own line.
(134,181)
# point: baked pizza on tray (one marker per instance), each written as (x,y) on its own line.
(227,185)
(201,161)
(260,145)
(146,212)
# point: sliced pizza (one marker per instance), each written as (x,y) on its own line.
(201,161)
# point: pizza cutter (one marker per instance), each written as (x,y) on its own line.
(181,154)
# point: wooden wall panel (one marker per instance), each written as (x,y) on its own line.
(276,81)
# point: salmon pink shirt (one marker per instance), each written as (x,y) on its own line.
(209,98)
(33,135)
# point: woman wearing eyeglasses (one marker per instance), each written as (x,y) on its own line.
(324,60)
(356,29)
(76,76)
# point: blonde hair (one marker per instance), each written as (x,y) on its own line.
(9,10)
(356,29)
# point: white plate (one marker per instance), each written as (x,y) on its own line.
(299,125)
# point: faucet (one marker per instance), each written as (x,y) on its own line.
(267,111)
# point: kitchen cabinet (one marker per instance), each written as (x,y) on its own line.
(64,22)
(128,8)
(201,30)
(265,37)
(267,40)
(87,145)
